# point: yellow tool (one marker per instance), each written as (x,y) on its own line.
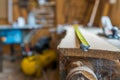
(84,44)
(33,65)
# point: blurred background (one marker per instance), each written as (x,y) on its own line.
(30,31)
(28,40)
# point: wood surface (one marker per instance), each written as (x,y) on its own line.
(68,11)
(93,15)
(24,13)
(3,21)
(69,41)
(103,9)
(102,57)
(99,48)
(3,9)
(16,10)
(59,8)
(115,13)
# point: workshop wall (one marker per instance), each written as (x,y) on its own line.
(115,13)
(3,12)
(104,8)
(70,10)
(82,14)
(3,9)
(111,10)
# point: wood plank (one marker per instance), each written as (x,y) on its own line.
(16,10)
(68,11)
(94,41)
(3,21)
(95,8)
(24,13)
(102,57)
(97,42)
(99,48)
(77,52)
(59,10)
(115,13)
(106,9)
(3,9)
(69,40)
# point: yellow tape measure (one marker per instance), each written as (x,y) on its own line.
(84,44)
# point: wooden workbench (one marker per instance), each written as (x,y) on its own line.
(101,53)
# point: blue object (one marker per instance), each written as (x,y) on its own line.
(12,36)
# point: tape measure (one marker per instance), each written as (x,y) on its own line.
(84,44)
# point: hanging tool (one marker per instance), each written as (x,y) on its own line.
(84,44)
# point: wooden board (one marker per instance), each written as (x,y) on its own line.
(115,13)
(3,21)
(24,13)
(99,48)
(94,41)
(3,9)
(97,42)
(16,10)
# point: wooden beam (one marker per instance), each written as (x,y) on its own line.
(59,11)
(94,13)
(3,21)
(3,9)
(106,9)
(16,10)
(24,13)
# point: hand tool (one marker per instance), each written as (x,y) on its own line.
(84,44)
